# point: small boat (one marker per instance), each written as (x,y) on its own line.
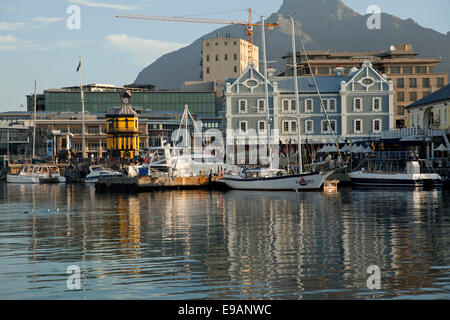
(49,174)
(395,171)
(37,174)
(97,171)
(26,175)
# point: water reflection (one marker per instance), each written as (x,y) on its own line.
(201,244)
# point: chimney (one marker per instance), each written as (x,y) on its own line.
(339,71)
(271,72)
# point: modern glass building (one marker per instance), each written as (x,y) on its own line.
(99,101)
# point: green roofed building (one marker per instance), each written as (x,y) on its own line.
(99,98)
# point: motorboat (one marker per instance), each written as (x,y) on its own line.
(26,175)
(395,171)
(49,174)
(37,174)
(96,171)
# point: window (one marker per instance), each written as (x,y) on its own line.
(285,105)
(207,57)
(309,126)
(425,93)
(294,126)
(207,44)
(261,126)
(400,110)
(285,126)
(325,105)
(261,106)
(400,96)
(235,57)
(217,57)
(323,70)
(425,82)
(243,126)
(242,106)
(225,43)
(207,70)
(408,70)
(293,109)
(400,83)
(332,105)
(226,57)
(217,44)
(235,69)
(357,126)
(376,104)
(440,82)
(357,105)
(325,127)
(421,70)
(376,125)
(308,105)
(412,82)
(395,70)
(413,96)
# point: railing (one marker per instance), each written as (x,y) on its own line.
(410,132)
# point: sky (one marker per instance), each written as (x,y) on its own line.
(42,40)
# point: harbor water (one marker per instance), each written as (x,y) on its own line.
(201,244)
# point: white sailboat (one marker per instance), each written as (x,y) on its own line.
(273,178)
(184,161)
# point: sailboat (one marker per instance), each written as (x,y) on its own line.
(273,178)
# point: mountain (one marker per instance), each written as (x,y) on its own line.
(325,25)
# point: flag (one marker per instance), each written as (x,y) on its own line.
(79,66)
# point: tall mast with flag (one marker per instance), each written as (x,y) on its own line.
(82,109)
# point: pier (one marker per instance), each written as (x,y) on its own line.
(148,183)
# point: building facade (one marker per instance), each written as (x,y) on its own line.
(359,106)
(413,77)
(226,57)
(431,112)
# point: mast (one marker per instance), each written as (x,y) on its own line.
(266,90)
(34,122)
(297,103)
(82,111)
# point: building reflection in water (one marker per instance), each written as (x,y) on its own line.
(237,244)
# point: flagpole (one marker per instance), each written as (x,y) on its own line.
(82,110)
(34,122)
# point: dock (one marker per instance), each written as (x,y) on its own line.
(148,183)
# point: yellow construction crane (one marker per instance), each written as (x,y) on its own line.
(247,24)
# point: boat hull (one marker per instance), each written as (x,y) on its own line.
(11,178)
(394,180)
(298,182)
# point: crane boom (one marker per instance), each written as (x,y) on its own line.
(247,24)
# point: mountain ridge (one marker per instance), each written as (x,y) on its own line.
(324,24)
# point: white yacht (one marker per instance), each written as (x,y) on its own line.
(394,171)
(97,171)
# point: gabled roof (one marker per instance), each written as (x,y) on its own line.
(437,96)
(326,84)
